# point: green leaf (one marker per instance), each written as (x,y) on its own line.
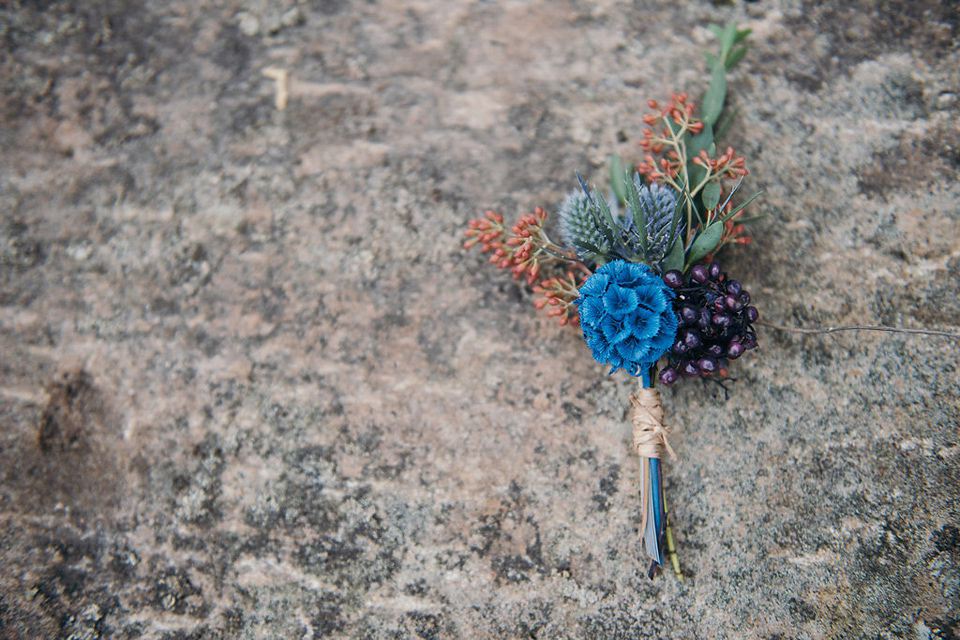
(600,211)
(735,56)
(674,257)
(716,94)
(705,242)
(696,174)
(712,60)
(728,38)
(676,224)
(639,216)
(711,195)
(610,226)
(739,208)
(662,234)
(721,128)
(699,142)
(674,127)
(702,141)
(586,246)
(616,178)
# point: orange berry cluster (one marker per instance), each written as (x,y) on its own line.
(560,294)
(524,249)
(727,165)
(521,252)
(679,112)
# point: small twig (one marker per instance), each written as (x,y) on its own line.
(281,76)
(926,332)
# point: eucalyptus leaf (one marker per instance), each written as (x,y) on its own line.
(697,175)
(715,96)
(687,200)
(700,142)
(711,195)
(695,172)
(705,242)
(728,38)
(674,257)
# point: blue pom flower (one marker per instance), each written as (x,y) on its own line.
(627,316)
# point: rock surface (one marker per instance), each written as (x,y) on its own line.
(250,386)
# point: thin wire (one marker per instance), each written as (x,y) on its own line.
(926,332)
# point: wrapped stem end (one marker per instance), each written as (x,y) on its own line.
(650,439)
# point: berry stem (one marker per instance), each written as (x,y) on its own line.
(924,332)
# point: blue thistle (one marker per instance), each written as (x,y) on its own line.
(585,228)
(627,316)
(658,206)
(580,226)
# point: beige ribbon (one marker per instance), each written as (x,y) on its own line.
(649,433)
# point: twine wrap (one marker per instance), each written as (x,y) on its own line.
(649,433)
(649,439)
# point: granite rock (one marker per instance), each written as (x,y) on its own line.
(251,386)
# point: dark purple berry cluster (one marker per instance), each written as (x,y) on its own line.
(714,323)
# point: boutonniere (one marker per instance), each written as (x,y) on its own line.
(636,268)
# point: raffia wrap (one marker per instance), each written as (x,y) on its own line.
(649,432)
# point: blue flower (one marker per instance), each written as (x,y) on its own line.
(627,316)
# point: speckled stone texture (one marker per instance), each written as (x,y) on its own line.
(251,387)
